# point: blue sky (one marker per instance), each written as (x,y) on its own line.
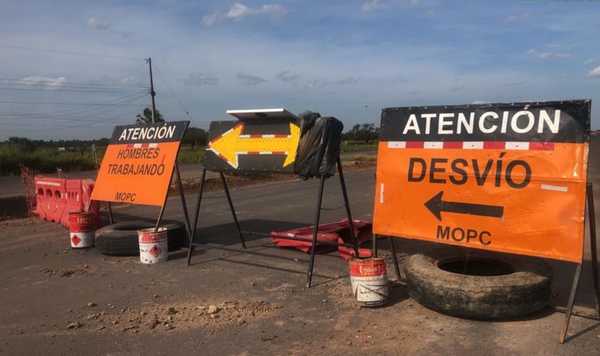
(347,59)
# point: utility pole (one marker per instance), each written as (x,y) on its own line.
(152,92)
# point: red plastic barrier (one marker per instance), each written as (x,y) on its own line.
(57,197)
(331,236)
(50,198)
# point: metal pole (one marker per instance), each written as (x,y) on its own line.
(111,219)
(152,92)
(394,257)
(183,202)
(162,208)
(593,245)
(193,235)
(347,204)
(313,249)
(374,246)
(576,279)
(237,224)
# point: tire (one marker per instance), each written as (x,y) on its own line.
(121,239)
(508,296)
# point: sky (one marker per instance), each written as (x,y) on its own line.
(75,69)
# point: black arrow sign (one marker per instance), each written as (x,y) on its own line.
(436,205)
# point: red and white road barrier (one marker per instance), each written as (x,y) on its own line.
(82,229)
(154,246)
(369,281)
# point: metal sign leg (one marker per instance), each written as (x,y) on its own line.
(237,224)
(311,264)
(193,235)
(593,245)
(591,217)
(571,302)
(374,246)
(347,204)
(183,202)
(394,257)
(111,219)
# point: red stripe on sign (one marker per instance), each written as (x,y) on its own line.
(255,135)
(542,146)
(494,145)
(453,144)
(414,144)
(253,153)
(278,152)
(281,136)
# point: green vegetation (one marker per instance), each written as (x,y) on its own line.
(43,159)
(77,155)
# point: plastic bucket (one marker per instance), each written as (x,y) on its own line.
(154,246)
(82,229)
(369,281)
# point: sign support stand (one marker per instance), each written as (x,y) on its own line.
(577,276)
(310,270)
(237,224)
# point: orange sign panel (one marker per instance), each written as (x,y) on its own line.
(500,177)
(138,164)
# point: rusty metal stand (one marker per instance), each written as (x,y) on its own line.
(196,215)
(347,205)
(394,257)
(593,246)
(237,224)
(183,203)
(193,235)
(311,263)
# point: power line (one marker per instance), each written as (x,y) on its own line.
(86,84)
(57,103)
(76,115)
(68,52)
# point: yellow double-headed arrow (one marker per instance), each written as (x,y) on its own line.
(233,143)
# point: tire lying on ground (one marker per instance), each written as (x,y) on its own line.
(121,239)
(493,289)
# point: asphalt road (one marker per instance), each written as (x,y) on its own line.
(54,300)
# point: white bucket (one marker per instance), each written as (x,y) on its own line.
(154,246)
(369,281)
(82,239)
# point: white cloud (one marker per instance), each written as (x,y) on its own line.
(594,73)
(99,25)
(201,79)
(549,55)
(250,79)
(371,5)
(44,82)
(211,19)
(287,76)
(238,11)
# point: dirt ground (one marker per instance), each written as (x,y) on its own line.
(231,301)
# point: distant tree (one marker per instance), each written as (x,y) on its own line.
(22,143)
(145,118)
(195,136)
(362,132)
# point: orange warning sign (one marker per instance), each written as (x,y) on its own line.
(501,177)
(138,164)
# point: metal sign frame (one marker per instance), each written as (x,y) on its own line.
(310,269)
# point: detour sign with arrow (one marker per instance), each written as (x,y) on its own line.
(261,140)
(500,177)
